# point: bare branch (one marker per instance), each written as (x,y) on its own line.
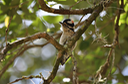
(75,78)
(74,5)
(25,77)
(63,11)
(80,23)
(29,38)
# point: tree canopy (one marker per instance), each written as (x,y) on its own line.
(29,42)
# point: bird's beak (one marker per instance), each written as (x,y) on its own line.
(60,22)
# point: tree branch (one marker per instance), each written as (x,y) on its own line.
(29,38)
(95,12)
(21,51)
(116,41)
(24,77)
(103,69)
(87,22)
(55,68)
(63,11)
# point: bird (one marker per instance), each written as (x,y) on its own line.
(67,32)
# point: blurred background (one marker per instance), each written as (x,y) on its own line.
(28,19)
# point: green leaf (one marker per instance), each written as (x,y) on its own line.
(55,29)
(75,0)
(81,77)
(25,10)
(4,8)
(8,1)
(12,12)
(18,19)
(2,31)
(2,18)
(122,18)
(15,2)
(126,8)
(84,45)
(53,19)
(39,25)
(127,21)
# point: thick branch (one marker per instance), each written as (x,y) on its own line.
(55,68)
(63,11)
(92,17)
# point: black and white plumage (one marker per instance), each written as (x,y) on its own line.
(68,31)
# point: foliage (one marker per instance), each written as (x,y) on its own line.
(25,18)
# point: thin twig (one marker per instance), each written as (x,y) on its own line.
(22,49)
(79,23)
(116,39)
(42,76)
(75,78)
(11,60)
(72,6)
(113,61)
(112,46)
(26,78)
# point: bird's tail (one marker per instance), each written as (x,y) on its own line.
(65,58)
(67,54)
